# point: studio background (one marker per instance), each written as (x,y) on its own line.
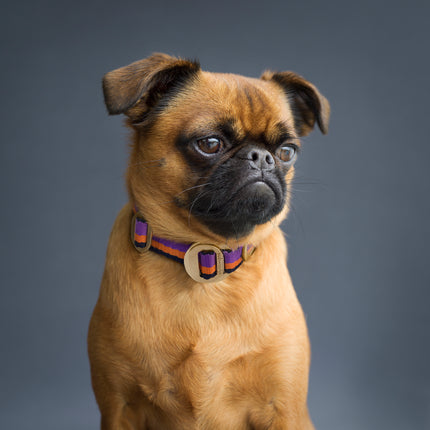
(358,236)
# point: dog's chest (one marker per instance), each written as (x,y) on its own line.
(201,386)
(207,377)
(191,370)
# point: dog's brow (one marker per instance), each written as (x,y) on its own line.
(228,127)
(225,127)
(280,133)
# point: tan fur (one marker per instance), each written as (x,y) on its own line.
(169,353)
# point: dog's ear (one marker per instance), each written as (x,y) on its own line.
(136,88)
(307,103)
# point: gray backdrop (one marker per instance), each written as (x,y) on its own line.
(359,235)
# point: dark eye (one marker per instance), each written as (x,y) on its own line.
(210,145)
(286,153)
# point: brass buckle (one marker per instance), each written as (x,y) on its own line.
(245,253)
(148,235)
(191,262)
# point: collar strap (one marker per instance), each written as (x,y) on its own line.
(202,262)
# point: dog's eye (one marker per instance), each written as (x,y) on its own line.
(209,145)
(286,153)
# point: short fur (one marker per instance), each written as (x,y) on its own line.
(167,352)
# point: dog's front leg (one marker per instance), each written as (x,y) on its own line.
(280,422)
(121,416)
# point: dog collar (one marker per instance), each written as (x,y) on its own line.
(203,262)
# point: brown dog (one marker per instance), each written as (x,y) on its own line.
(210,168)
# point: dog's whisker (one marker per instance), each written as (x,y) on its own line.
(296,216)
(165,202)
(192,188)
(200,194)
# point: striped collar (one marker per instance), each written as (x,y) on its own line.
(202,262)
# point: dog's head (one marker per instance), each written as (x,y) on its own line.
(213,154)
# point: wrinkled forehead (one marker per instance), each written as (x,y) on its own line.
(236,106)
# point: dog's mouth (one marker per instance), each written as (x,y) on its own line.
(234,211)
(261,195)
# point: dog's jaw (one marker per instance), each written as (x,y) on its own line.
(232,208)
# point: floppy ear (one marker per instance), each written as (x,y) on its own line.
(307,103)
(136,88)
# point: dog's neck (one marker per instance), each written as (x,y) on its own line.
(202,261)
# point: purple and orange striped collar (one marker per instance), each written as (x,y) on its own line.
(202,262)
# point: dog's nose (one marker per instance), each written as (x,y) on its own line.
(258,158)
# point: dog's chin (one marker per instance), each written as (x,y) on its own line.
(254,204)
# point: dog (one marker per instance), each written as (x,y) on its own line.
(197,325)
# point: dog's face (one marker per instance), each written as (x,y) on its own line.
(212,152)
